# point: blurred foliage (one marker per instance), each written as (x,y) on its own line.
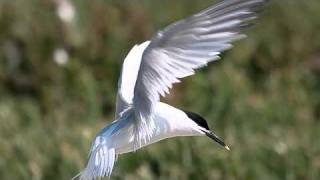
(58,79)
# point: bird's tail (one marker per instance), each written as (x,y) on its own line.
(100,163)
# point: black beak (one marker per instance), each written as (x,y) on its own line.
(217,139)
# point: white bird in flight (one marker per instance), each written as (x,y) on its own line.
(149,71)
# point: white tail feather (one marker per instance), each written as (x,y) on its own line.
(100,163)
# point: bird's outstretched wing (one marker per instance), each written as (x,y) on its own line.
(128,77)
(181,48)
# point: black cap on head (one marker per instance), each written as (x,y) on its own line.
(198,119)
(203,123)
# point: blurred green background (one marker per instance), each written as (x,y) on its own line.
(59,66)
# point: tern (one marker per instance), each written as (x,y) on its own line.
(149,71)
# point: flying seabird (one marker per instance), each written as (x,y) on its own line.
(149,71)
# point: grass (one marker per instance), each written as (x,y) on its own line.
(263,97)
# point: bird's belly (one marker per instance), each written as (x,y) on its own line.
(127,145)
(123,139)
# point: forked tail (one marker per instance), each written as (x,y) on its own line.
(100,163)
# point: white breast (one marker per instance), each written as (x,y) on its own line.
(170,122)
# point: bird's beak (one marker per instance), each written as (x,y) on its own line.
(217,139)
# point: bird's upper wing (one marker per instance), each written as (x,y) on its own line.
(128,78)
(181,48)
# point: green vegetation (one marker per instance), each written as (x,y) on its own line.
(263,98)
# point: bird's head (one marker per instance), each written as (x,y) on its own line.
(202,123)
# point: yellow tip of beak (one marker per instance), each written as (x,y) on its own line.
(227,148)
